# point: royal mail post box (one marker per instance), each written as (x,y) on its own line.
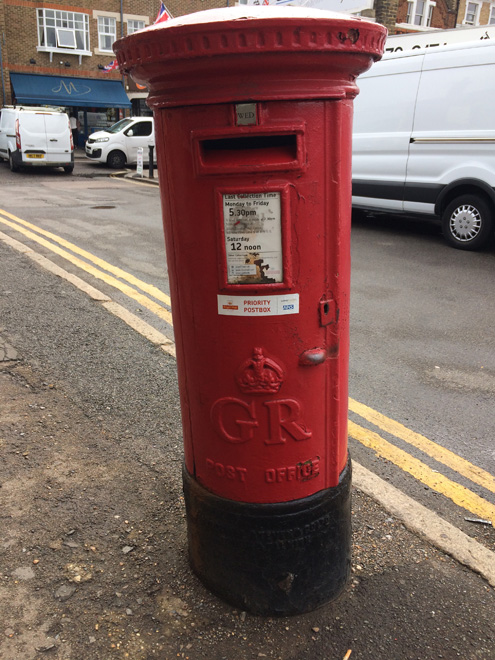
(253,115)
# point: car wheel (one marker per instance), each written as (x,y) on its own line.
(116,159)
(13,166)
(68,169)
(467,222)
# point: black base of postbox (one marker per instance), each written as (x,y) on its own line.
(271,559)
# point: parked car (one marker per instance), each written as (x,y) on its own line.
(118,145)
(36,137)
(424,139)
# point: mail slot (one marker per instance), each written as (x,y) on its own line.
(250,149)
(253,115)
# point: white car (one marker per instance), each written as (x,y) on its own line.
(118,145)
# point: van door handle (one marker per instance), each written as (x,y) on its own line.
(53,140)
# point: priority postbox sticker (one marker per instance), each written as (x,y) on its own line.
(253,238)
(277,305)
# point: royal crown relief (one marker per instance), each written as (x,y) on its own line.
(237,421)
(259,374)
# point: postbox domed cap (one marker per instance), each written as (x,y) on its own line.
(250,53)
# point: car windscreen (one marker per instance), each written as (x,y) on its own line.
(119,126)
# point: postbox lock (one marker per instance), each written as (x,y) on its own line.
(328,311)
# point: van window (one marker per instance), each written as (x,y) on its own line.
(119,126)
(141,129)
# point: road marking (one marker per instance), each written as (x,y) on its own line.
(114,308)
(426,523)
(460,495)
(457,463)
(455,492)
(143,300)
(141,327)
(101,263)
(93,293)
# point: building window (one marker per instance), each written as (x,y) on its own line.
(420,12)
(471,14)
(63,30)
(430,15)
(410,8)
(491,20)
(107,33)
(134,26)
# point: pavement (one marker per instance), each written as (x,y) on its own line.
(128,172)
(93,545)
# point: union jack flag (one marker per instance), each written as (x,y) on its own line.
(163,14)
(111,67)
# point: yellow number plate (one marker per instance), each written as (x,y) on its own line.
(34,155)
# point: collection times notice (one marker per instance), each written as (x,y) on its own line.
(253,237)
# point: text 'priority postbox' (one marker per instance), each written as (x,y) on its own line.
(253,120)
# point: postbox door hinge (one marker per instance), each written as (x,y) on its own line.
(329,312)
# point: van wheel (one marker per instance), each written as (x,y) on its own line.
(68,169)
(12,165)
(467,222)
(116,160)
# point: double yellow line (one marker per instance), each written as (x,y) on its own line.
(144,294)
(102,270)
(460,495)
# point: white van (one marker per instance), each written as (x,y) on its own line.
(424,139)
(36,137)
(118,145)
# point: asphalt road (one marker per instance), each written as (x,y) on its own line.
(422,338)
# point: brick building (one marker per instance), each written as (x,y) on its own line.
(403,16)
(476,13)
(53,53)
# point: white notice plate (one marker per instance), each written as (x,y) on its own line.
(258,305)
(253,237)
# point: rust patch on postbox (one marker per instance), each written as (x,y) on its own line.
(352,36)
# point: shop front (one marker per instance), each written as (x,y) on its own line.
(96,103)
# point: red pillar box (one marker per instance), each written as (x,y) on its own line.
(253,115)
